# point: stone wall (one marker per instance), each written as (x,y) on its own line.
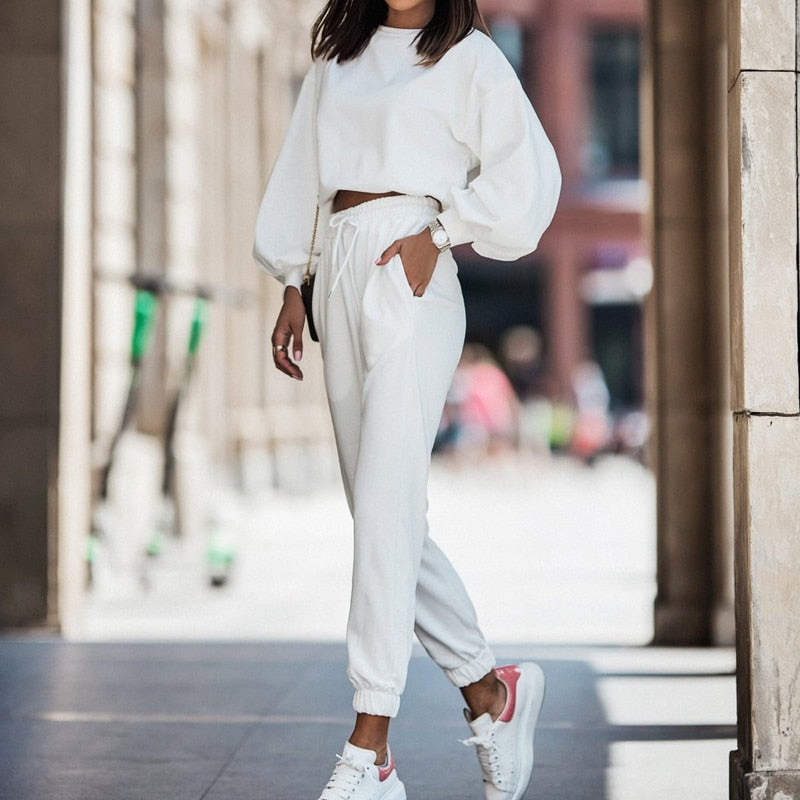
(136,139)
(31,61)
(763,146)
(185,135)
(44,101)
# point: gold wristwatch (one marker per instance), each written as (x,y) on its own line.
(439,235)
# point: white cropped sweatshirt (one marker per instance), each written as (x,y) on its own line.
(462,131)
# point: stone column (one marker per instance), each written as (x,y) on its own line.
(561,55)
(566,313)
(763,151)
(152,208)
(686,313)
(114,218)
(717,299)
(44,431)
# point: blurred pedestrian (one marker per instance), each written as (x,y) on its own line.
(488,411)
(592,430)
(521,357)
(405,102)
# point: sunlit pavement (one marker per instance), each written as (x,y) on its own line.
(559,560)
(551,552)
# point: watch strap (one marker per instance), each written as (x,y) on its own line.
(439,233)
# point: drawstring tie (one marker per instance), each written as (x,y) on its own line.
(338,223)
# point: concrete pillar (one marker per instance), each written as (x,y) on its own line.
(763,151)
(152,200)
(560,56)
(44,301)
(718,305)
(114,215)
(566,315)
(686,316)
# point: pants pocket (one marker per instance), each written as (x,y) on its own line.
(444,287)
(387,311)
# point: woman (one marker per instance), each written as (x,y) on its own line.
(412,134)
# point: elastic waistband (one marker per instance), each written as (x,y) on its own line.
(380,205)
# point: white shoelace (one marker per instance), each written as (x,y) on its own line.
(489,757)
(346,777)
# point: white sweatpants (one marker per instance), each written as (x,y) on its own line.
(388,361)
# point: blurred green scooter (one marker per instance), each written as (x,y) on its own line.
(144,311)
(220,553)
(167,523)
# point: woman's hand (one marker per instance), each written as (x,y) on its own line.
(287,337)
(418,255)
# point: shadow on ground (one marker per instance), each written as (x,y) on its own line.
(263,721)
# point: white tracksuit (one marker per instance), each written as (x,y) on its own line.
(461,131)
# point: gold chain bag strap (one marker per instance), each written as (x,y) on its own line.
(307,286)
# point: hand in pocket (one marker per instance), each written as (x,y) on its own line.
(418,255)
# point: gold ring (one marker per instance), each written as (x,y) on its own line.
(278,347)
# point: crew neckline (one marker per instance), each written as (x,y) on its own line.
(392,31)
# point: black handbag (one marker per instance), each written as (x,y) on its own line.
(307,286)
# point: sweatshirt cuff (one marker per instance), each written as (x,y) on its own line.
(294,277)
(457,231)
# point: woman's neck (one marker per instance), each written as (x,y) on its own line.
(416,17)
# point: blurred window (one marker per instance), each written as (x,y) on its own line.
(613,147)
(509,37)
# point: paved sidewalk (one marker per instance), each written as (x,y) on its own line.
(263,721)
(117,714)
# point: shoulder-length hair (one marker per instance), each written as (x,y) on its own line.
(344,27)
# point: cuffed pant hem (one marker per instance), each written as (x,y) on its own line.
(473,671)
(380,704)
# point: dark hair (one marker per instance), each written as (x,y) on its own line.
(344,27)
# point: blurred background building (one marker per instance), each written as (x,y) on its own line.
(135,138)
(174,111)
(189,104)
(582,289)
(177,109)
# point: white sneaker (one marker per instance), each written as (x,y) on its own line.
(505,745)
(356,776)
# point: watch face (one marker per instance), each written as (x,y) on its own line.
(440,238)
